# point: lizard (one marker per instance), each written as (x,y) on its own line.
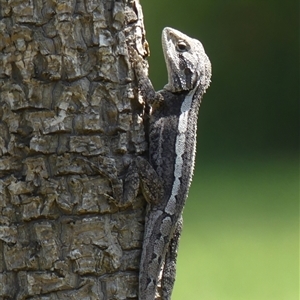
(172,147)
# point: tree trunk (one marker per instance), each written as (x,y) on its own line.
(70,125)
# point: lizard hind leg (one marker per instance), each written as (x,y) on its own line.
(150,182)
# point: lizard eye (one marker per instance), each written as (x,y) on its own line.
(181,46)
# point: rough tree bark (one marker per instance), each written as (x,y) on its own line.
(68,106)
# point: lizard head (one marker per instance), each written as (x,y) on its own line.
(187,63)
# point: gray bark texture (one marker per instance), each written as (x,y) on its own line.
(70,124)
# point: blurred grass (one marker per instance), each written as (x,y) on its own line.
(240,237)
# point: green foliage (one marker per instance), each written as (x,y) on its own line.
(240,237)
(252,105)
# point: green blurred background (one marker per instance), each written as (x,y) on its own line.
(241,222)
